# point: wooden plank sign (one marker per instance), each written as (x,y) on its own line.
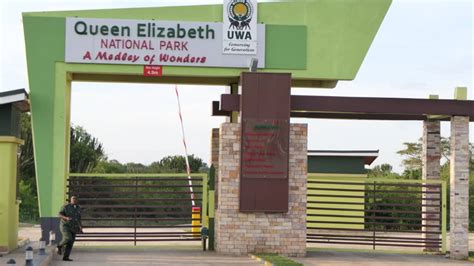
(265,118)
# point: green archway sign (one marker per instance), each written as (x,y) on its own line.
(318,41)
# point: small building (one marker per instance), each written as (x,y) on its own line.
(327,168)
(12,104)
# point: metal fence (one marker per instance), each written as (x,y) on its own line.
(383,213)
(139,207)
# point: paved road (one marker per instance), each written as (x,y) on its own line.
(336,258)
(150,256)
(185,254)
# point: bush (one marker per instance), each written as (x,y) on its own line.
(29,203)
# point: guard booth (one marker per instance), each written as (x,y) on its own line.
(12,104)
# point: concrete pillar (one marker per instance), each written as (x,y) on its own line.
(459,188)
(9,205)
(240,233)
(431,155)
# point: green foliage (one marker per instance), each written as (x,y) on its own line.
(412,174)
(26,160)
(415,174)
(86,151)
(174,190)
(168,164)
(112,166)
(383,170)
(87,155)
(27,192)
(158,200)
(29,202)
(135,168)
(178,163)
(278,260)
(412,154)
(388,197)
(413,151)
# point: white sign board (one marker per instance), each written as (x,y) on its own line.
(151,42)
(240,27)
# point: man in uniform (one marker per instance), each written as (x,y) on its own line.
(70,225)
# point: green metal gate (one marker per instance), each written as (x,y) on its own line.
(376,212)
(140,207)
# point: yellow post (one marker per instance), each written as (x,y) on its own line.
(8,202)
(196,221)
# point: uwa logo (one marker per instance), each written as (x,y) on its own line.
(240,13)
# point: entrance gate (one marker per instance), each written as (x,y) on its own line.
(139,207)
(376,212)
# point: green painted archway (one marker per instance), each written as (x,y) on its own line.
(318,41)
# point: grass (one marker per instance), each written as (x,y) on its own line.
(363,250)
(471,256)
(278,260)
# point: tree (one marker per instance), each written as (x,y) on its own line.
(381,170)
(86,151)
(412,163)
(112,166)
(177,163)
(26,158)
(27,191)
(136,168)
(87,155)
(413,152)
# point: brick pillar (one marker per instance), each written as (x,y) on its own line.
(215,159)
(430,170)
(215,147)
(243,233)
(459,188)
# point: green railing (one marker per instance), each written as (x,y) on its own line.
(353,203)
(134,201)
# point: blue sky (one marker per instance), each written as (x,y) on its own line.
(422,48)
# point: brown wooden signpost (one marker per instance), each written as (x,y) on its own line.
(265,118)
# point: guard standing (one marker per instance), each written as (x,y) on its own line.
(70,225)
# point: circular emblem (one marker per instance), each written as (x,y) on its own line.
(240,14)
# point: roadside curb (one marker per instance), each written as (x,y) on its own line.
(44,260)
(265,262)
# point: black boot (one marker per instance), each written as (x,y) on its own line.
(67,259)
(60,250)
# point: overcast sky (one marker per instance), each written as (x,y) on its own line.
(423,47)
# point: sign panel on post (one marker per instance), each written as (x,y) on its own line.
(264,160)
(151,42)
(240,27)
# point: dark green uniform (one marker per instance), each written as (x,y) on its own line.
(69,229)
